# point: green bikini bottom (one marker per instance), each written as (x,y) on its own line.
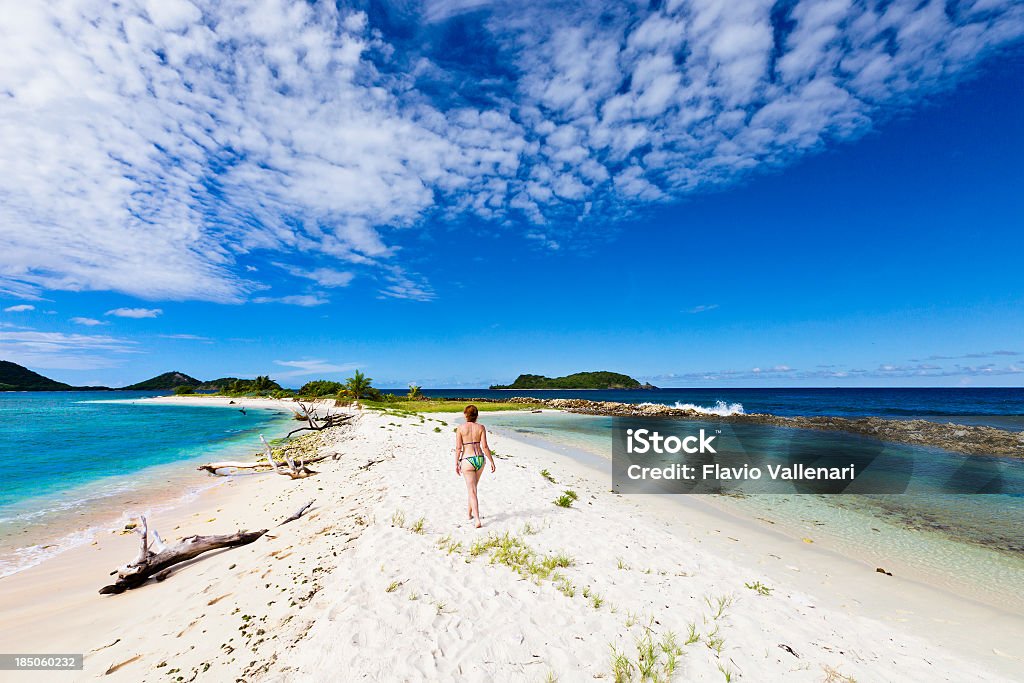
(477,461)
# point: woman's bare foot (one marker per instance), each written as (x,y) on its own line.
(479,524)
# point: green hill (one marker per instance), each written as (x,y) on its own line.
(14,377)
(580,380)
(168,380)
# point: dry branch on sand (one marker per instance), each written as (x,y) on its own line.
(315,422)
(290,467)
(298,513)
(156,559)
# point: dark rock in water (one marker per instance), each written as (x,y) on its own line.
(969,439)
(882,571)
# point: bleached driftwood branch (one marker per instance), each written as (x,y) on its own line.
(298,513)
(156,559)
(316,423)
(290,468)
(212,467)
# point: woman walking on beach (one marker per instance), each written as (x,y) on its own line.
(470,448)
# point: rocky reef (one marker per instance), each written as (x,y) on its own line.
(969,439)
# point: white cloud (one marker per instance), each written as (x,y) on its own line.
(185,337)
(304,368)
(325,277)
(151,145)
(402,285)
(89,322)
(135,312)
(703,308)
(20,308)
(63,351)
(293,300)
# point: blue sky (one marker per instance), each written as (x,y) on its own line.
(697,194)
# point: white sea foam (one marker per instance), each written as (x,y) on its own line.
(14,560)
(721,408)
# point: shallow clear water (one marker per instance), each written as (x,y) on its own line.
(971,544)
(86,457)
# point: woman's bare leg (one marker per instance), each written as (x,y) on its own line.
(470,475)
(476,483)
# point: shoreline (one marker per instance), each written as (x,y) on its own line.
(314,599)
(940,560)
(843,579)
(83,512)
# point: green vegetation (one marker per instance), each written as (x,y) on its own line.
(547,475)
(403,404)
(512,552)
(759,588)
(449,545)
(622,668)
(261,386)
(566,499)
(184,390)
(714,641)
(581,380)
(655,660)
(720,604)
(319,388)
(360,386)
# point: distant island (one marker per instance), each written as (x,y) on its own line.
(602,379)
(168,380)
(14,377)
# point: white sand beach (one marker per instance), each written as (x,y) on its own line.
(384,579)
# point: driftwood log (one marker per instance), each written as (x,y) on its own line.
(156,559)
(316,423)
(298,513)
(213,467)
(290,467)
(222,468)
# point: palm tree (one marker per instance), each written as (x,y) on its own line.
(414,392)
(358,385)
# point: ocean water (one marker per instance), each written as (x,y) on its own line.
(1000,407)
(970,544)
(85,460)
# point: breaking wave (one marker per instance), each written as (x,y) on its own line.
(721,408)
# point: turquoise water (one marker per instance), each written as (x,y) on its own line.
(971,544)
(86,458)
